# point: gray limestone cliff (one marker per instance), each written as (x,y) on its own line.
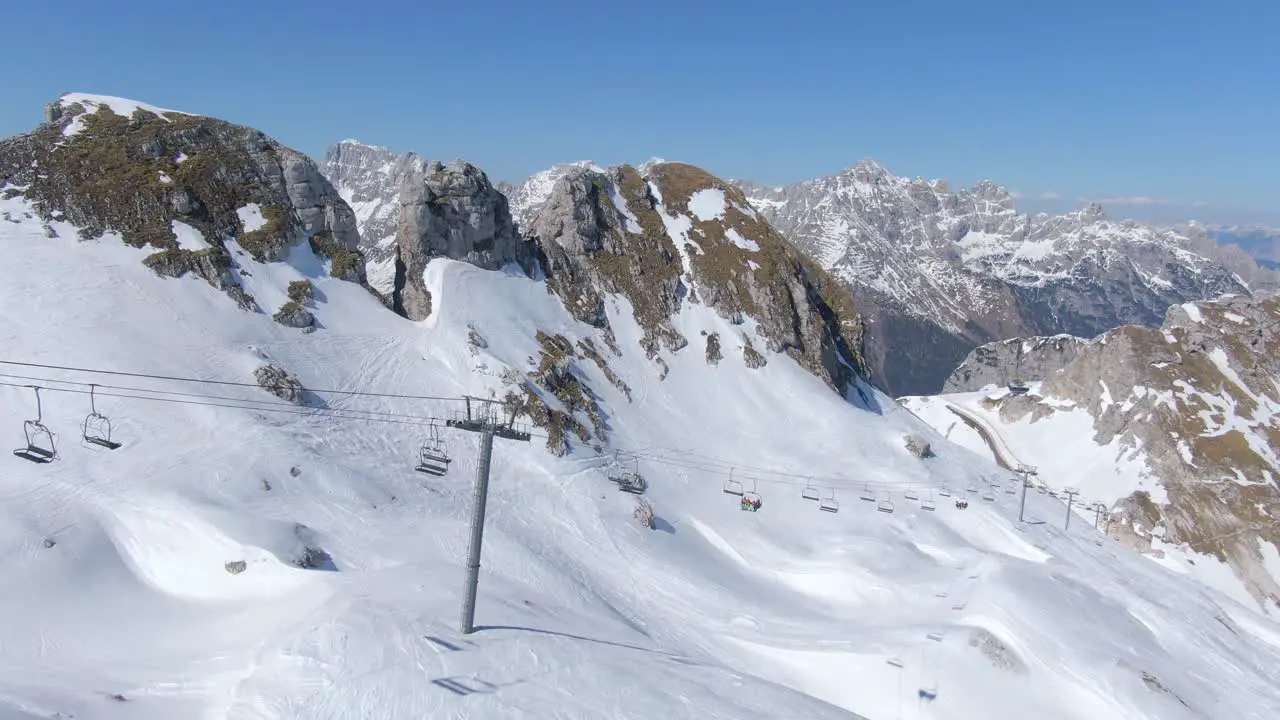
(1003,362)
(451,210)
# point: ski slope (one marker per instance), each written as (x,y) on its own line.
(118,601)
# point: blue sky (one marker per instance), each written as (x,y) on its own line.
(1170,105)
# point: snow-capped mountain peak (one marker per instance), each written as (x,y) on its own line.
(949,270)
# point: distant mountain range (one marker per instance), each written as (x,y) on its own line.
(936,272)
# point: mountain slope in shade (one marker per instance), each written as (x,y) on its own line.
(941,271)
(1173,430)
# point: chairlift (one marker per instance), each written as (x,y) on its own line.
(433,457)
(867,494)
(752,496)
(96,427)
(40,447)
(731,486)
(633,483)
(911,495)
(885,506)
(988,495)
(830,504)
(896,662)
(809,492)
(927,503)
(945,492)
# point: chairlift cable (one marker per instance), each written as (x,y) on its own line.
(202,381)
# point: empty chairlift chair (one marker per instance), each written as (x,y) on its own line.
(830,504)
(885,505)
(40,447)
(809,492)
(867,495)
(96,428)
(927,503)
(433,457)
(945,492)
(911,495)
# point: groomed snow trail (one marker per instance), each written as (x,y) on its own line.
(124,577)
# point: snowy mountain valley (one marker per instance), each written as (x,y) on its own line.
(260,545)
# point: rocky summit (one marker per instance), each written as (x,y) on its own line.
(939,272)
(678,235)
(195,189)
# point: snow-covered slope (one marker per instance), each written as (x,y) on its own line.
(116,585)
(940,272)
(1173,431)
(242,557)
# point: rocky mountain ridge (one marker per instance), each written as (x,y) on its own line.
(198,190)
(1191,407)
(941,271)
(661,238)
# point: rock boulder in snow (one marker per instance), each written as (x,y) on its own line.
(281,383)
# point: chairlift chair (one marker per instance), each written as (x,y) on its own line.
(752,496)
(830,504)
(96,428)
(809,492)
(867,494)
(40,447)
(633,483)
(988,495)
(945,492)
(731,486)
(911,495)
(433,457)
(885,506)
(927,503)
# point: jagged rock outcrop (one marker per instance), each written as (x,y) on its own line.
(1023,359)
(528,198)
(1197,402)
(108,164)
(450,210)
(678,234)
(369,178)
(939,272)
